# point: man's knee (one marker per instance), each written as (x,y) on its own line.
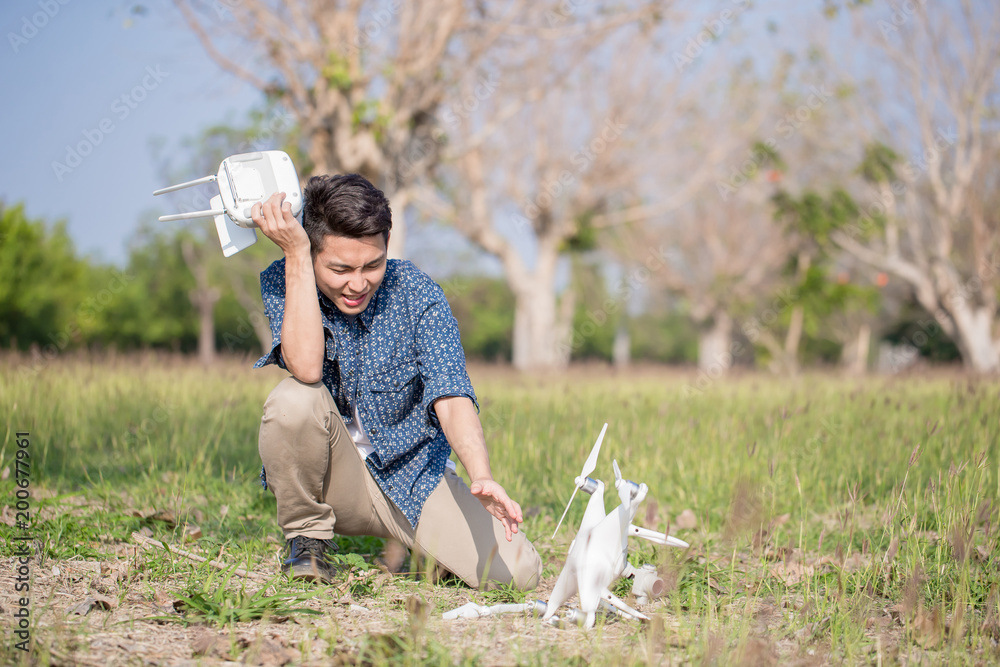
(527,570)
(521,567)
(292,403)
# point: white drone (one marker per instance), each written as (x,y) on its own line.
(597,556)
(244,180)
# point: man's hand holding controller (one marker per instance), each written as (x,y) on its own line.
(275,220)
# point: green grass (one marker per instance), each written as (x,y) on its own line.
(842,520)
(210,599)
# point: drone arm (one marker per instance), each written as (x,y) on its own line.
(659,538)
(626,610)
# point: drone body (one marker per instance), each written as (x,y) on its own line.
(599,554)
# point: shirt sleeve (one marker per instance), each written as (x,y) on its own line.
(440,356)
(272,292)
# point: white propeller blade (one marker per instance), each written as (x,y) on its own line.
(588,467)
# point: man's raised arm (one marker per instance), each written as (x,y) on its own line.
(302,339)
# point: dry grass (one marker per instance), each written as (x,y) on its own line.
(831,521)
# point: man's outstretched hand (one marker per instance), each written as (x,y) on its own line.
(498,503)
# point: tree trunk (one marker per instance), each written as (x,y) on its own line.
(794,336)
(855,354)
(715,355)
(399,201)
(621,351)
(543,336)
(204,299)
(974,337)
(540,330)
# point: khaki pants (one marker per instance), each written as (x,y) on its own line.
(322,485)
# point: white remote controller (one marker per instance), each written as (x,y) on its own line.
(244,180)
(250,178)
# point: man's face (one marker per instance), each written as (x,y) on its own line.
(349,271)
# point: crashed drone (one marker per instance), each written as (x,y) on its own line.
(596,558)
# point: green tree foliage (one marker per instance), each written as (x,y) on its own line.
(816,215)
(815,218)
(484,308)
(42,282)
(594,324)
(154,309)
(667,336)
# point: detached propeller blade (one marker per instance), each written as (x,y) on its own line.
(588,467)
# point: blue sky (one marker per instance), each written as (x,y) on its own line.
(92,83)
(104,79)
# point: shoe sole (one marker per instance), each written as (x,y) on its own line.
(310,573)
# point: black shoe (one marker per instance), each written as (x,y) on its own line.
(308,560)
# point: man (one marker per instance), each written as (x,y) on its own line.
(357,439)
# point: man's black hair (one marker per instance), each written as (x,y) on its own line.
(345,205)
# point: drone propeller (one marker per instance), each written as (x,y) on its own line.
(588,467)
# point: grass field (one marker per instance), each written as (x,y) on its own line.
(831,521)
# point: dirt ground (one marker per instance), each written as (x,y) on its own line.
(88,612)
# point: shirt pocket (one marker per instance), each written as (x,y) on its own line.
(396,392)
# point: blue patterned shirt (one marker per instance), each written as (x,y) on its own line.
(393,360)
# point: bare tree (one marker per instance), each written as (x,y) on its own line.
(925,222)
(533,169)
(574,163)
(705,200)
(365,81)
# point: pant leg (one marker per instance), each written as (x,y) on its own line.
(313,467)
(458,533)
(321,483)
